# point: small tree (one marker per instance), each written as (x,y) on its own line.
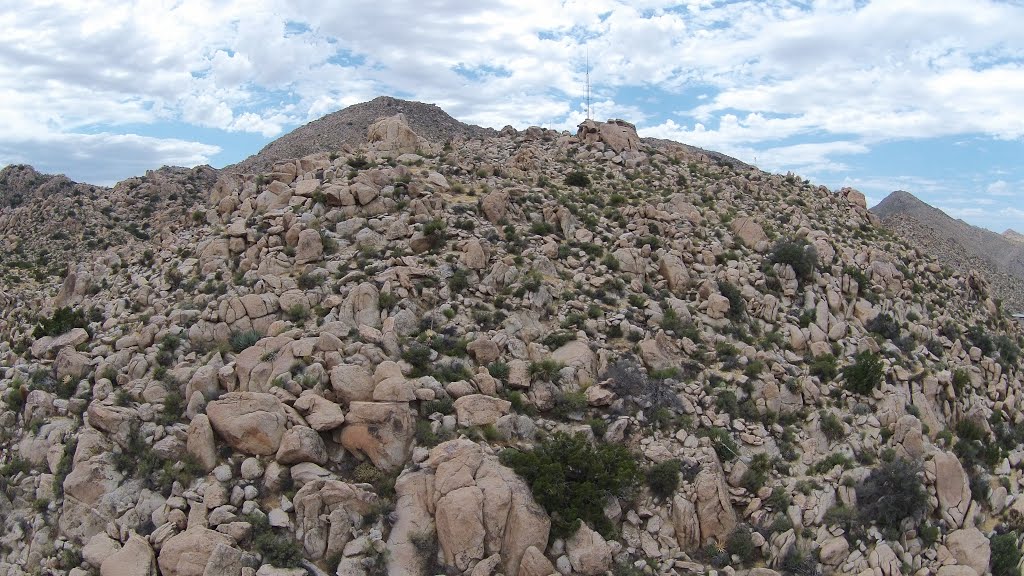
(577,178)
(890,493)
(799,254)
(865,374)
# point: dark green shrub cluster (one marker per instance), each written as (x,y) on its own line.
(459,281)
(824,367)
(741,544)
(865,374)
(737,306)
(974,445)
(722,442)
(577,178)
(436,232)
(890,493)
(885,326)
(831,426)
(1004,554)
(663,478)
(241,340)
(756,475)
(63,320)
(568,404)
(799,254)
(546,369)
(276,549)
(572,479)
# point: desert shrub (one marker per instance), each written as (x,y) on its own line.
(757,472)
(961,379)
(831,426)
(1005,555)
(974,445)
(663,478)
(890,493)
(436,232)
(779,499)
(722,442)
(824,367)
(885,326)
(241,340)
(546,369)
(276,548)
(308,281)
(737,306)
(572,479)
(498,370)
(386,300)
(558,338)
(799,562)
(577,178)
(865,374)
(569,403)
(799,254)
(459,281)
(63,320)
(418,355)
(444,405)
(741,544)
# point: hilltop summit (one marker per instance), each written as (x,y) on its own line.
(347,127)
(524,353)
(958,244)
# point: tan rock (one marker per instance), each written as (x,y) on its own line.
(473,255)
(534,563)
(460,527)
(301,444)
(480,410)
(200,443)
(686,523)
(484,350)
(588,552)
(326,511)
(749,231)
(250,422)
(970,548)
(834,551)
(952,488)
(714,509)
(187,553)
(393,134)
(321,414)
(70,364)
(382,431)
(674,272)
(413,510)
(578,355)
(310,247)
(352,383)
(494,206)
(134,559)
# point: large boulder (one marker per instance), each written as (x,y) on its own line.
(302,444)
(750,232)
(714,510)
(970,548)
(326,511)
(187,553)
(460,527)
(618,135)
(952,486)
(588,552)
(480,410)
(310,247)
(250,422)
(200,443)
(134,559)
(393,134)
(382,431)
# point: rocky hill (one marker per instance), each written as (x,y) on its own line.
(1013,235)
(526,353)
(347,128)
(958,245)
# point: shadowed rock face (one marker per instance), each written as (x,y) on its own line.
(1000,258)
(349,127)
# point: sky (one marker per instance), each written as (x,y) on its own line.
(925,96)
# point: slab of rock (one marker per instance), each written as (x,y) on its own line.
(302,444)
(588,552)
(352,383)
(187,553)
(460,527)
(201,443)
(686,523)
(714,510)
(952,488)
(310,247)
(134,559)
(750,232)
(382,431)
(480,410)
(250,422)
(393,134)
(321,414)
(970,548)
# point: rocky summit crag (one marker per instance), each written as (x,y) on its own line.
(957,244)
(518,352)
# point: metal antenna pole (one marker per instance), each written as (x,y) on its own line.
(588,82)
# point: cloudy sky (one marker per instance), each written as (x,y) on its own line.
(921,95)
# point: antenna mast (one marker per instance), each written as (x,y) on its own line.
(588,82)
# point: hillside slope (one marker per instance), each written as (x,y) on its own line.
(958,244)
(528,353)
(348,127)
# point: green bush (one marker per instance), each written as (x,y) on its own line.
(276,549)
(722,442)
(799,254)
(1005,555)
(436,232)
(865,374)
(572,479)
(741,544)
(756,475)
(737,306)
(546,369)
(961,379)
(577,178)
(892,492)
(459,281)
(824,367)
(498,370)
(241,340)
(63,320)
(663,478)
(832,426)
